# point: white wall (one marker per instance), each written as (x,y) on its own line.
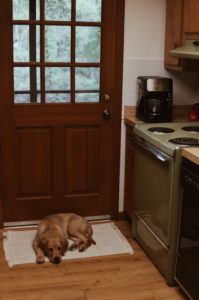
(144,55)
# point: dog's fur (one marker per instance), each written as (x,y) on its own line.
(52,236)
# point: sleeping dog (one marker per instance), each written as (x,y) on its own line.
(52,236)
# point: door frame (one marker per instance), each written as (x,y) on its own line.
(117,107)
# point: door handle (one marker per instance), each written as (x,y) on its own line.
(107,98)
(106,114)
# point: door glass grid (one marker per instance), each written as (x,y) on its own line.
(57,43)
(56,51)
(26,43)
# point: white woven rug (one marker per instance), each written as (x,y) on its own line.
(109,241)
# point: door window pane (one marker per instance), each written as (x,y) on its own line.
(88,41)
(89,10)
(57,84)
(59,10)
(57,97)
(57,43)
(87,97)
(26,9)
(87,80)
(27,85)
(26,43)
(44,47)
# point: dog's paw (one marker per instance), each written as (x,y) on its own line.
(40,260)
(82,248)
(72,247)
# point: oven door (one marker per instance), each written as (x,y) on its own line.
(153,186)
(187,270)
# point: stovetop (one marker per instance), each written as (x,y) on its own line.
(169,137)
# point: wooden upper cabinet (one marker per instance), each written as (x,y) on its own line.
(191,16)
(174,33)
(182,22)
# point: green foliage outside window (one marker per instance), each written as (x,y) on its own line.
(57,44)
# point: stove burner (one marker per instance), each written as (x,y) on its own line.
(185,141)
(191,128)
(161,129)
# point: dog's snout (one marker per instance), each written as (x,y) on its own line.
(56,260)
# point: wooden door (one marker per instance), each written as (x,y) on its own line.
(61,74)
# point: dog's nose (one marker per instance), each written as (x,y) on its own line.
(56,260)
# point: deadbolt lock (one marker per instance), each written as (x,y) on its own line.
(106,98)
(106,114)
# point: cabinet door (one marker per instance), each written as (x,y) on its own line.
(173,37)
(191,13)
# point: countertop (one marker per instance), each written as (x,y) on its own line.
(180,114)
(130,116)
(191,154)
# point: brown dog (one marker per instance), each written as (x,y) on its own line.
(52,236)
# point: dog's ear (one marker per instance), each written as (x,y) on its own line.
(64,244)
(43,244)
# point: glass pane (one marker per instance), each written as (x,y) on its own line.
(26,9)
(26,43)
(57,84)
(89,10)
(24,92)
(57,43)
(57,97)
(59,10)
(88,41)
(87,79)
(86,97)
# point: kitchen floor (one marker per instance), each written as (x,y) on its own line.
(106,278)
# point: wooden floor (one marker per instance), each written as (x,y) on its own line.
(123,277)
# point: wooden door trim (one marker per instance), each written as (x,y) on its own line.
(117,108)
(5,110)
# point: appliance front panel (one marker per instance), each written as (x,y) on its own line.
(153,183)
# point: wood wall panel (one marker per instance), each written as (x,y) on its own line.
(33,162)
(82,159)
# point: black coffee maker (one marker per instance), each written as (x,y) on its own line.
(154,99)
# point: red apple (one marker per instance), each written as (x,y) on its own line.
(194,115)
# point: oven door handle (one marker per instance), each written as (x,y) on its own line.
(158,154)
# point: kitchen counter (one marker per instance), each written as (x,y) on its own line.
(180,114)
(191,154)
(130,116)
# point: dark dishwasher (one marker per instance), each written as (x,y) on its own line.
(187,268)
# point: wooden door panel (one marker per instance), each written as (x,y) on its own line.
(173,36)
(191,12)
(34,162)
(82,159)
(82,149)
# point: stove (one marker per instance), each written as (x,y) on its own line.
(185,141)
(169,137)
(157,189)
